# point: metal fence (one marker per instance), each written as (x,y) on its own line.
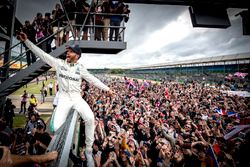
(62,140)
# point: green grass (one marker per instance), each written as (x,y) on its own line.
(20,120)
(33,88)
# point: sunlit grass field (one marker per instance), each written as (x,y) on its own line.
(33,88)
(20,120)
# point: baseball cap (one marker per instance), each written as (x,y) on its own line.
(40,125)
(75,48)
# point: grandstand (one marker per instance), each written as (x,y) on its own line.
(197,69)
(243,58)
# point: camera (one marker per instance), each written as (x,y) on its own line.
(40,125)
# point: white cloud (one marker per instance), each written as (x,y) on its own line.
(172,32)
(158,34)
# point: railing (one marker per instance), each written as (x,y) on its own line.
(22,54)
(62,140)
(91,16)
(91,35)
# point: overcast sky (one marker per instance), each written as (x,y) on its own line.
(158,34)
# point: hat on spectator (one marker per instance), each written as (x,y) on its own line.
(75,48)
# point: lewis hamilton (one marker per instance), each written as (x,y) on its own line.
(69,75)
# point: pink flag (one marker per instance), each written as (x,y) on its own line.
(240,74)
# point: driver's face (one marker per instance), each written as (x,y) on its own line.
(71,56)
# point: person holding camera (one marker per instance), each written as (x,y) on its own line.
(41,138)
(112,160)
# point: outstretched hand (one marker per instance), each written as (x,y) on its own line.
(5,160)
(22,36)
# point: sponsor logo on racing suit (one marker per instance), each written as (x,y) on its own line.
(68,77)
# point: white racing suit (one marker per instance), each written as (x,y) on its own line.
(69,80)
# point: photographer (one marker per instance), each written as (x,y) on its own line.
(41,139)
(112,160)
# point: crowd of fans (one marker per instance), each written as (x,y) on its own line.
(150,123)
(30,140)
(238,81)
(164,124)
(107,15)
(167,124)
(233,82)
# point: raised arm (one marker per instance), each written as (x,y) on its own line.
(93,80)
(37,51)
